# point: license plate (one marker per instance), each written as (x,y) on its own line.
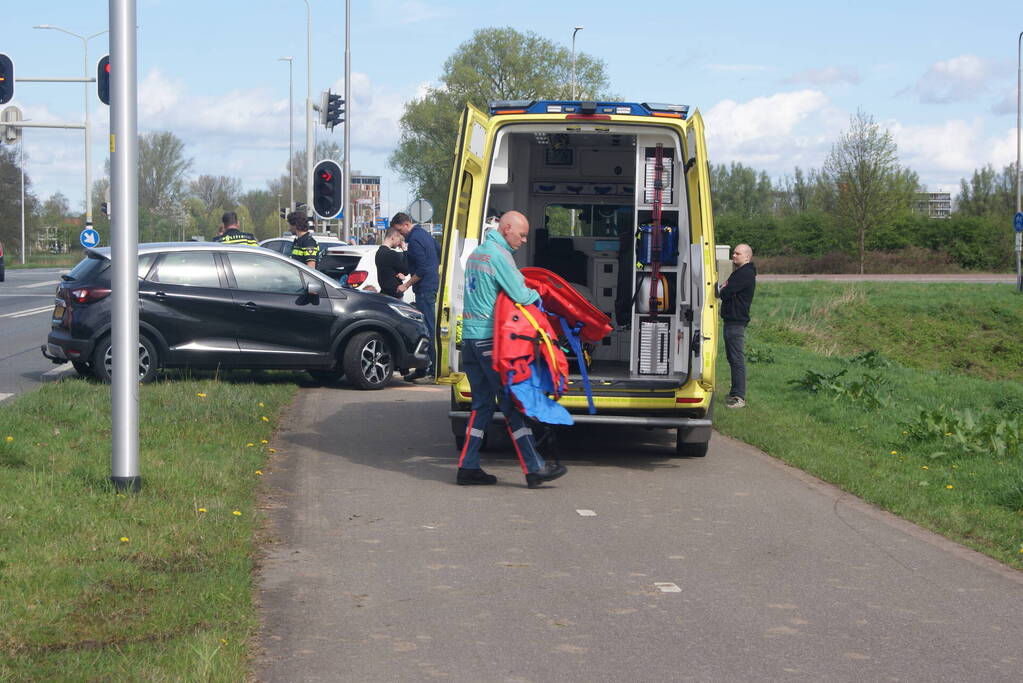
(58,312)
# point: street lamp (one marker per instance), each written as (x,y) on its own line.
(577,29)
(88,137)
(291,130)
(1019,236)
(309,108)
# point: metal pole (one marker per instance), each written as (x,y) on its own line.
(1019,237)
(577,29)
(309,151)
(23,198)
(124,461)
(291,131)
(346,172)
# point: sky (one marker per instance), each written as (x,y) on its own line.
(776,82)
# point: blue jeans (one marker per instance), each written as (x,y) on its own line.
(487,392)
(426,303)
(735,342)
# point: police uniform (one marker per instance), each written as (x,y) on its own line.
(305,248)
(236,236)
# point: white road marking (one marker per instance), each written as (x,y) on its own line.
(26,312)
(666,587)
(38,284)
(586,513)
(4,397)
(58,372)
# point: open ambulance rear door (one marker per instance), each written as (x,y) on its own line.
(462,227)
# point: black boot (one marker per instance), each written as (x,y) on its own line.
(548,473)
(468,477)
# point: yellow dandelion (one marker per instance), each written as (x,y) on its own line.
(124,539)
(905,432)
(236,513)
(201,395)
(9,438)
(272,450)
(249,445)
(925,467)
(955,467)
(202,509)
(259,472)
(265,418)
(261,405)
(950,486)
(949,434)
(893,453)
(223,641)
(263,441)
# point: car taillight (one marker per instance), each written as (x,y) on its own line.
(87,295)
(357,277)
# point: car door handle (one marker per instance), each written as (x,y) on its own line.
(250,306)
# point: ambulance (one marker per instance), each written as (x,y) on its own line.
(618,200)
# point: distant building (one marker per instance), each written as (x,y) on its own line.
(933,204)
(365,193)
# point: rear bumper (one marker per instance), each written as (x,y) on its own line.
(60,347)
(635,420)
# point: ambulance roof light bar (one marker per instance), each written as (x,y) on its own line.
(578,109)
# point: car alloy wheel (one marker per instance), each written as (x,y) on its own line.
(368,362)
(147,361)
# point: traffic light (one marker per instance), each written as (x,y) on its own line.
(332,109)
(328,189)
(6,79)
(103,79)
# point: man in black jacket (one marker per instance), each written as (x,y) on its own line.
(736,296)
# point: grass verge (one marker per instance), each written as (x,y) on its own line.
(103,586)
(890,392)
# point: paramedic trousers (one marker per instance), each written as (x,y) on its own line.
(735,342)
(487,391)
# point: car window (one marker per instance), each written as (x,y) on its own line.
(280,246)
(193,268)
(145,263)
(257,273)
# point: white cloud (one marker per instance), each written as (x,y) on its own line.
(944,153)
(738,68)
(958,79)
(827,76)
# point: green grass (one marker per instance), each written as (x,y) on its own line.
(174,600)
(13,261)
(952,350)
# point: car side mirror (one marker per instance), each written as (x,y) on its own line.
(313,292)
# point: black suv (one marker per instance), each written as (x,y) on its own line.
(208,305)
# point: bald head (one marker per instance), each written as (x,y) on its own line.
(514,228)
(742,255)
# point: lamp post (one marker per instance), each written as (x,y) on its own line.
(291,131)
(1019,236)
(309,110)
(577,29)
(88,137)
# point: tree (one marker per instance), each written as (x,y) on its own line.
(280,187)
(162,170)
(216,192)
(260,205)
(870,187)
(10,200)
(989,193)
(740,189)
(495,64)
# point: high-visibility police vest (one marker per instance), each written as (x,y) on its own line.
(236,236)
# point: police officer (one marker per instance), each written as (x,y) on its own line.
(304,248)
(230,234)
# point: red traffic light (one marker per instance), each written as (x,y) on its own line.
(327,176)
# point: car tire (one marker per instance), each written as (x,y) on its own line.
(684,449)
(82,368)
(368,362)
(149,360)
(332,376)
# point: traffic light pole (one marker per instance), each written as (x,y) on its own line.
(346,174)
(124,459)
(309,152)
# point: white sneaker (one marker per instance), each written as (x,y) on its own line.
(735,402)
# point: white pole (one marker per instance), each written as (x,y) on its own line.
(124,461)
(291,130)
(346,179)
(309,151)
(23,197)
(577,29)
(1019,242)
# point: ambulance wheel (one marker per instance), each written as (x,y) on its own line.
(685,449)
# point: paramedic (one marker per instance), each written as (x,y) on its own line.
(490,269)
(736,296)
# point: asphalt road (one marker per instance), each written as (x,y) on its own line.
(636,566)
(26,302)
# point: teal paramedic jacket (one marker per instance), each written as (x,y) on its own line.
(491,269)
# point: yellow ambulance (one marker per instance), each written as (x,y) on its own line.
(618,199)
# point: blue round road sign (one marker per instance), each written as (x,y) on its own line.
(89,238)
(1018,221)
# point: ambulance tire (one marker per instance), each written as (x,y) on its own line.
(684,449)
